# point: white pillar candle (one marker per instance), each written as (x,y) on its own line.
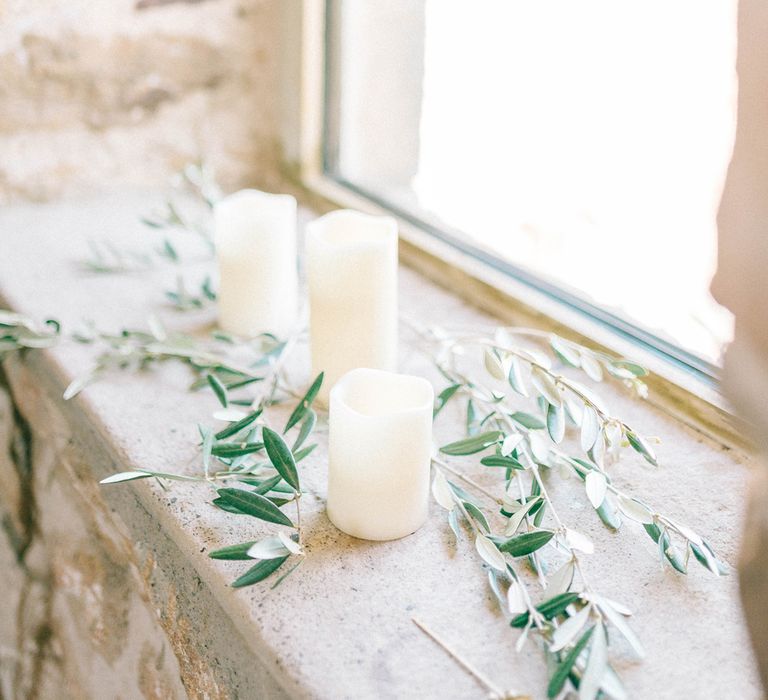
(380,446)
(255,236)
(352,278)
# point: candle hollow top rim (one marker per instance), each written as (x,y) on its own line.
(345,227)
(375,393)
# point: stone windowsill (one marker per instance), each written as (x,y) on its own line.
(115,586)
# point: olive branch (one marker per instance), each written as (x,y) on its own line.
(494,375)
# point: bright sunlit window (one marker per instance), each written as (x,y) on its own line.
(583,145)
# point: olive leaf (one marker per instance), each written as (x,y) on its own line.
(564,668)
(493,364)
(235,428)
(281,457)
(471,445)
(259,572)
(219,389)
(597,662)
(499,461)
(590,428)
(268,548)
(515,376)
(635,510)
(549,609)
(567,632)
(556,422)
(305,403)
(596,486)
(490,553)
(307,426)
(233,552)
(546,386)
(641,446)
(255,505)
(527,543)
(442,491)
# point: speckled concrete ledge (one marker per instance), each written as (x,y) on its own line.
(113,586)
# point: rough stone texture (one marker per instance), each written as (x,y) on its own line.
(96,93)
(117,589)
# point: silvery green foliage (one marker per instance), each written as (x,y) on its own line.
(18,332)
(530,417)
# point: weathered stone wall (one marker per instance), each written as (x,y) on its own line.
(98,603)
(98,94)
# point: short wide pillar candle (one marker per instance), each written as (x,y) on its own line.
(352,279)
(255,236)
(380,446)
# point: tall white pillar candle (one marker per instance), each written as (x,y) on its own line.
(380,443)
(352,278)
(255,237)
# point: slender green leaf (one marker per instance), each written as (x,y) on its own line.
(207,434)
(219,389)
(591,366)
(281,457)
(442,492)
(596,486)
(597,662)
(546,386)
(565,351)
(635,510)
(236,449)
(490,553)
(609,514)
(528,420)
(568,630)
(590,427)
(233,552)
(556,423)
(549,609)
(478,516)
(235,428)
(255,505)
(519,516)
(259,572)
(266,486)
(269,548)
(476,443)
(641,446)
(493,364)
(472,426)
(560,675)
(453,521)
(707,558)
(307,426)
(515,377)
(499,461)
(631,367)
(444,397)
(526,543)
(626,631)
(671,555)
(305,403)
(223,504)
(304,452)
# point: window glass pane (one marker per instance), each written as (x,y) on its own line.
(586,142)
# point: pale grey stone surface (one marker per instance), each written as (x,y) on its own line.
(340,625)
